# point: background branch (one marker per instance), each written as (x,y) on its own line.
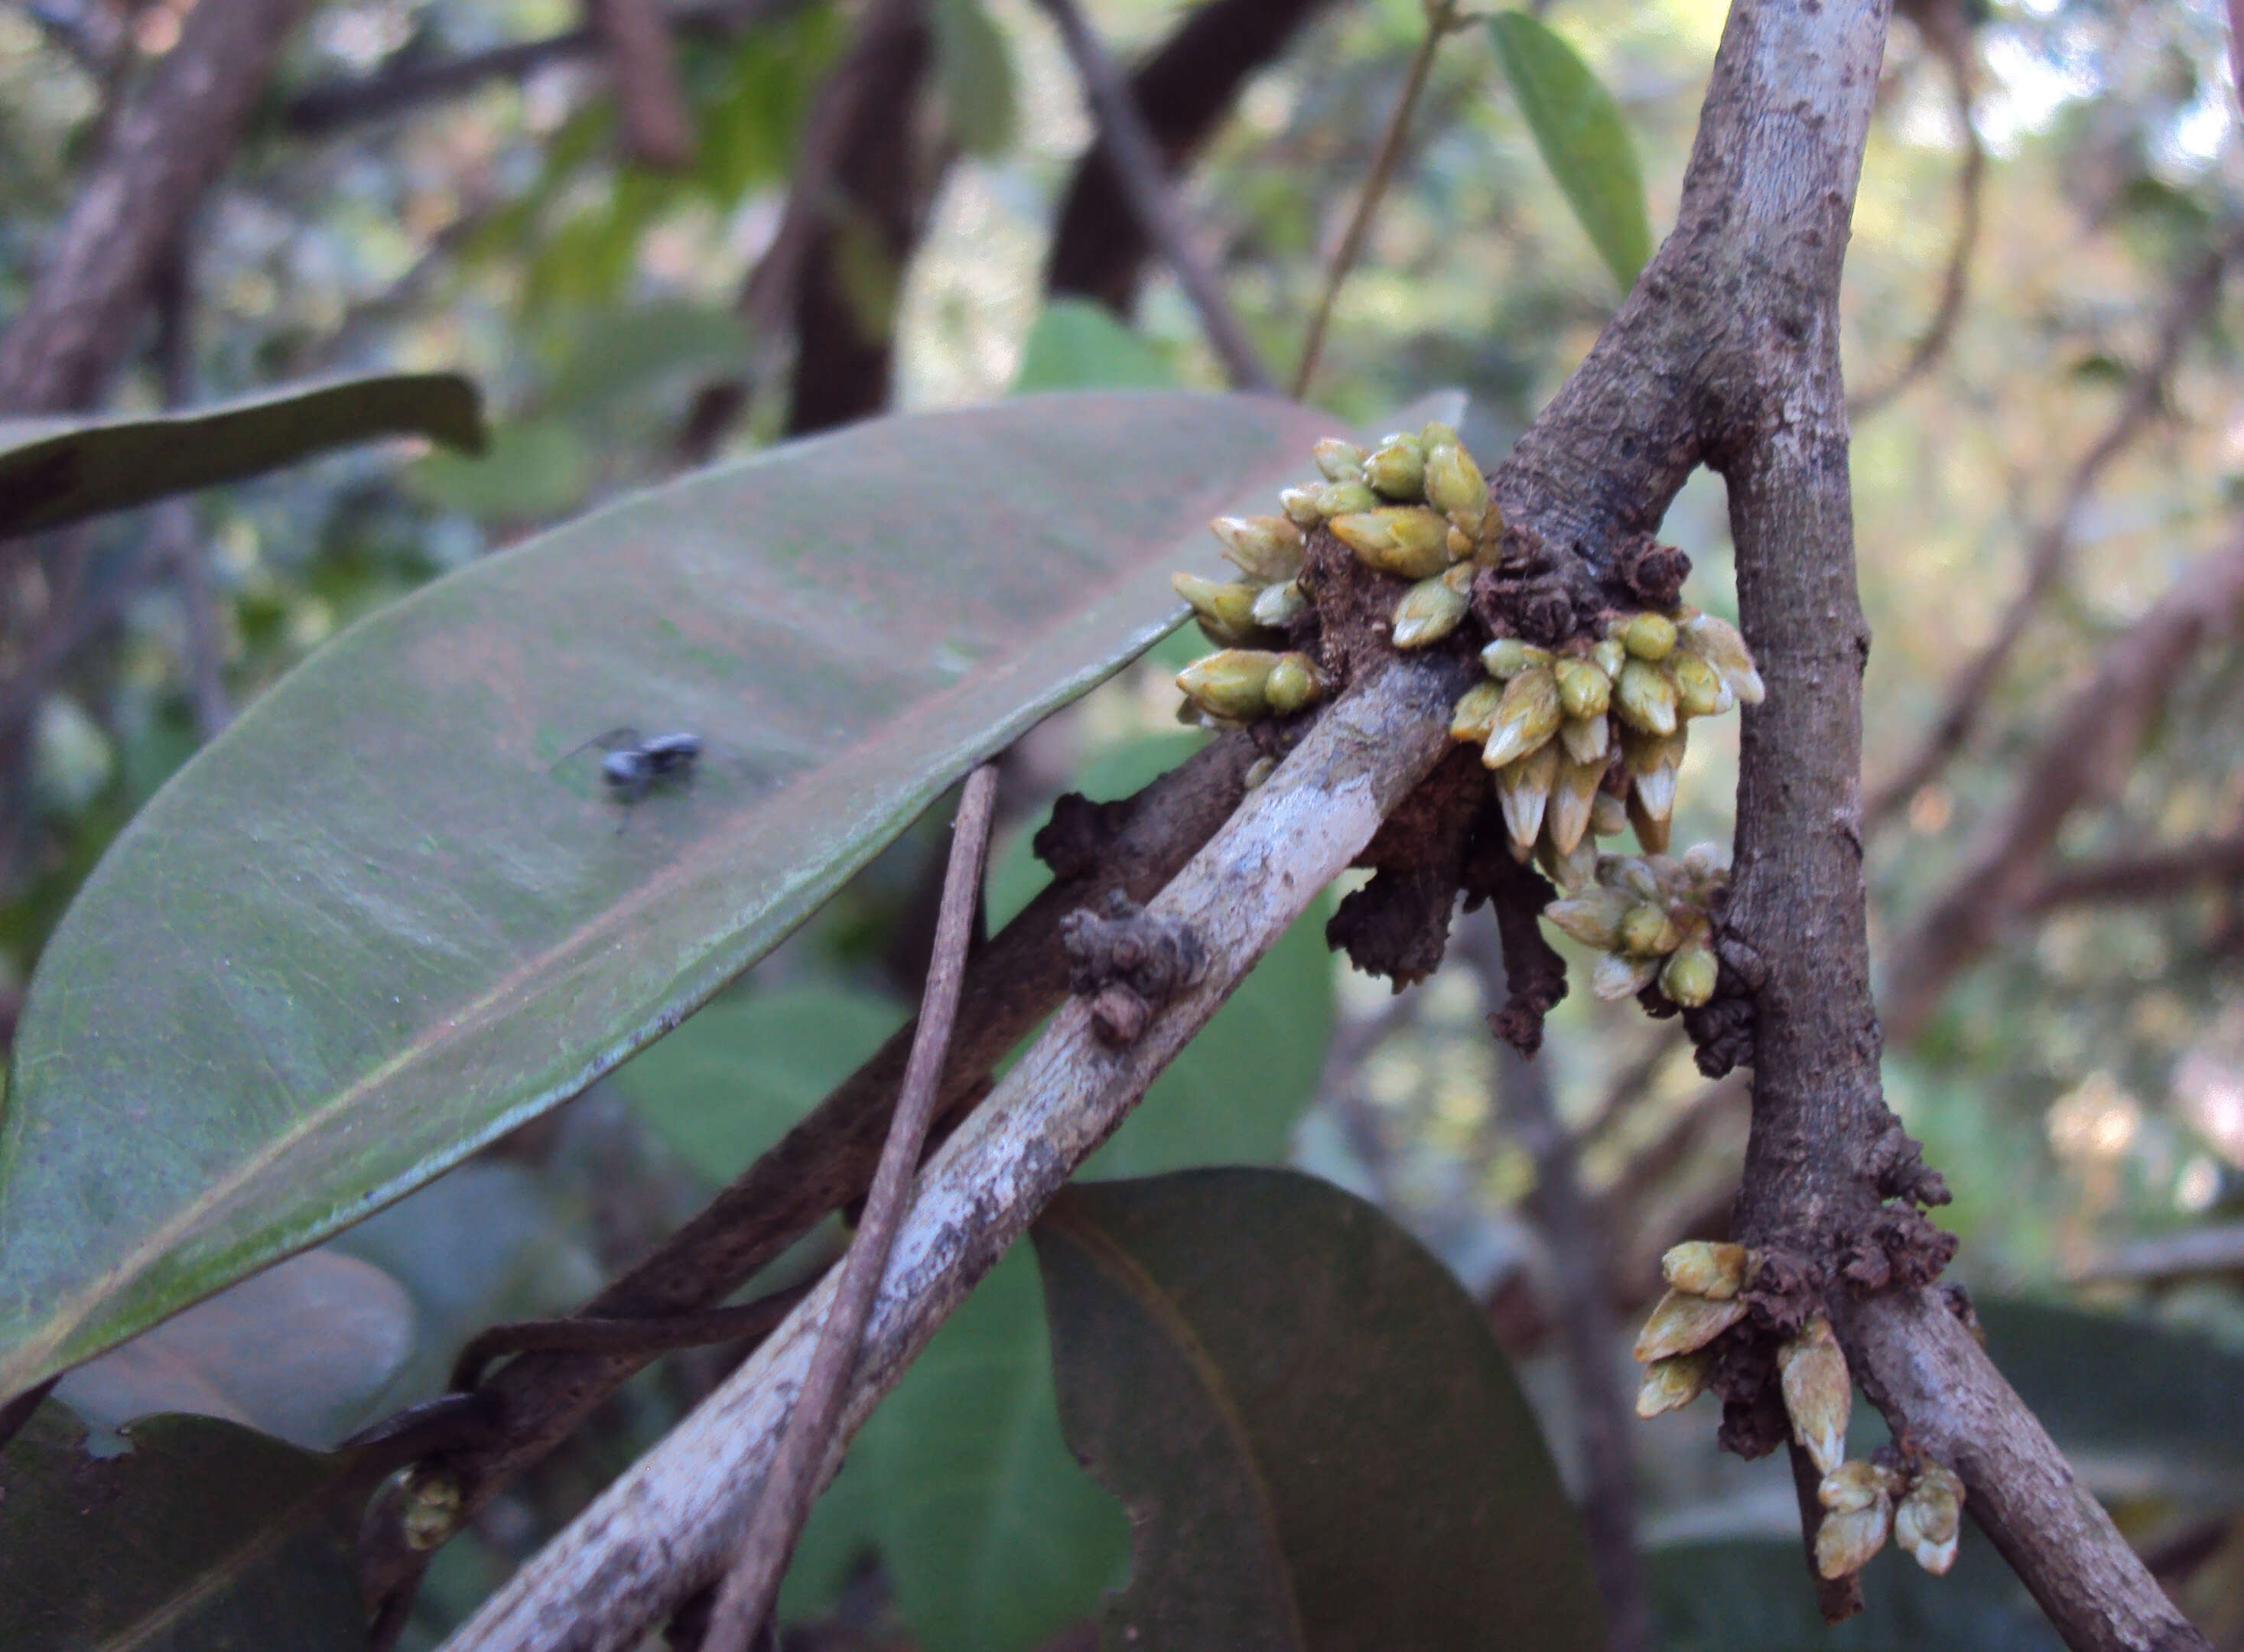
(634,37)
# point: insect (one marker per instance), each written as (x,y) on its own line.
(635,766)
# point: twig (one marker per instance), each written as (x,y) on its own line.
(634,36)
(1628,1085)
(2086,751)
(827,1159)
(637,1339)
(665,1527)
(2152,875)
(1580,1261)
(1441,18)
(1620,1204)
(2192,1253)
(1951,40)
(752,1582)
(2052,545)
(1138,163)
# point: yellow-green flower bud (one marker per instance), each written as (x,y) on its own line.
(1705,1268)
(1431,609)
(1278,606)
(1340,461)
(1571,799)
(1848,1487)
(1819,1396)
(1300,505)
(1507,657)
(1295,681)
(1647,636)
(1404,539)
(1226,611)
(1474,716)
(1672,1382)
(1454,483)
(1591,917)
(1629,873)
(1570,871)
(430,1508)
(1232,683)
(1699,689)
(1345,498)
(1609,656)
(1460,544)
(1617,976)
(1683,1324)
(1845,1543)
(1608,816)
(1645,698)
(1268,549)
(1718,642)
(1524,789)
(1652,830)
(1397,468)
(1689,975)
(1525,719)
(1587,740)
(1647,931)
(1930,1518)
(1433,434)
(1583,689)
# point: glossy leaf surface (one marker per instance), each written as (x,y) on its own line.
(1319,1442)
(393,913)
(1582,137)
(202,1536)
(54,471)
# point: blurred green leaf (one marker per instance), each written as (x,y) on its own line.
(974,72)
(1077,345)
(392,912)
(741,1071)
(1584,140)
(1319,1442)
(620,355)
(203,1535)
(534,469)
(54,471)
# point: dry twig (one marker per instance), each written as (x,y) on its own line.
(634,36)
(751,1583)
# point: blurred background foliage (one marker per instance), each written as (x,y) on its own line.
(2082,1083)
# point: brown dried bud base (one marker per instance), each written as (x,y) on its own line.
(1127,965)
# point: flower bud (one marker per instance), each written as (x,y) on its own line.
(1408,540)
(1818,1394)
(1845,1543)
(1226,611)
(1647,931)
(1652,830)
(1583,689)
(1300,505)
(1646,636)
(1258,771)
(1431,609)
(1266,548)
(1689,975)
(1617,976)
(1717,642)
(1698,691)
(1507,657)
(1608,818)
(1339,461)
(1705,1268)
(1675,1381)
(1587,740)
(1571,871)
(1277,606)
(1454,483)
(1474,716)
(1458,543)
(1609,656)
(1345,498)
(1433,434)
(1705,865)
(1591,917)
(1524,789)
(1930,1518)
(1232,683)
(1645,698)
(1683,1323)
(1525,719)
(1397,468)
(1849,1487)
(431,1505)
(1572,796)
(1295,681)
(1631,875)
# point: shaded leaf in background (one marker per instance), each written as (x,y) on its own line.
(300,1351)
(1320,1444)
(54,471)
(1582,137)
(391,913)
(1077,345)
(535,469)
(742,1070)
(1753,1596)
(974,73)
(204,1536)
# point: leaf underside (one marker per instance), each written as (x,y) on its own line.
(392,912)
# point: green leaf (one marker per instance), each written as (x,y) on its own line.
(736,1077)
(203,1536)
(1077,345)
(1319,1442)
(1584,141)
(54,471)
(1755,1596)
(994,1538)
(538,468)
(300,1351)
(974,72)
(391,913)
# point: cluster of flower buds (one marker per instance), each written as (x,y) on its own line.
(1652,917)
(1552,724)
(1704,1299)
(1251,675)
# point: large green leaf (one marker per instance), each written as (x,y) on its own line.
(1077,345)
(1320,1444)
(203,1536)
(54,471)
(1579,128)
(390,914)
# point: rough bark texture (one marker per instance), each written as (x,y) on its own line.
(1183,90)
(168,148)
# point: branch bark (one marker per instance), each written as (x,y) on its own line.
(2083,755)
(634,37)
(166,151)
(2152,875)
(662,1530)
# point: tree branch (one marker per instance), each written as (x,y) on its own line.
(2052,545)
(634,37)
(2157,874)
(661,1530)
(2085,753)
(1136,162)
(166,151)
